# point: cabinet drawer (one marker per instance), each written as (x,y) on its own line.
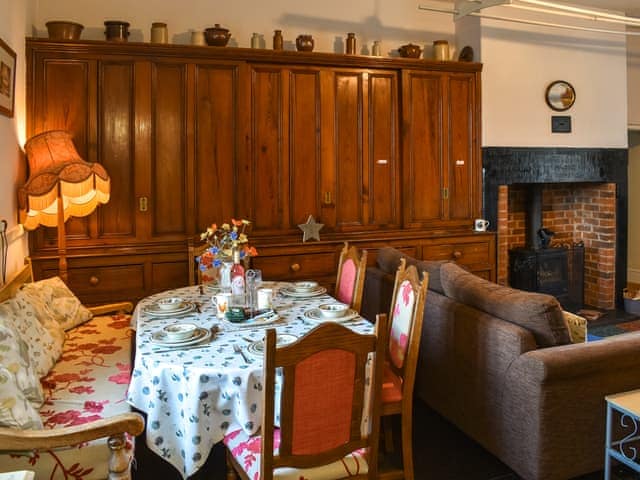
(287,267)
(464,253)
(111,278)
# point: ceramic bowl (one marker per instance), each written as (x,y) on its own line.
(171,303)
(61,30)
(333,310)
(305,286)
(179,331)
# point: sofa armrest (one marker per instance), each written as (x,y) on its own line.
(113,428)
(618,353)
(126,307)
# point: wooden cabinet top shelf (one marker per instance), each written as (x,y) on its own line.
(246,54)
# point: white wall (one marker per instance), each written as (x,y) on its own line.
(394,23)
(15,25)
(519,63)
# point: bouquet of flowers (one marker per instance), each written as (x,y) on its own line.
(223,240)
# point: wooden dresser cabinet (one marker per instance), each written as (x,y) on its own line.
(382,151)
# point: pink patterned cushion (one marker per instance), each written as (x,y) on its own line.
(89,382)
(247,451)
(402,315)
(347,282)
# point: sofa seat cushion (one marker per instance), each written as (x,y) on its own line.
(539,313)
(388,260)
(88,383)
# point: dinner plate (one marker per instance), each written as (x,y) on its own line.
(291,292)
(316,316)
(257,347)
(156,311)
(251,322)
(160,338)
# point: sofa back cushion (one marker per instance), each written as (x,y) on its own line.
(539,313)
(388,260)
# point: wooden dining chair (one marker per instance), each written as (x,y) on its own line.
(196,275)
(324,399)
(405,330)
(352,267)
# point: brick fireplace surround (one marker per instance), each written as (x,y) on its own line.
(584,199)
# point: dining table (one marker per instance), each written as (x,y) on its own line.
(195,391)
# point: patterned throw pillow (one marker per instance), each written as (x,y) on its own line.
(15,369)
(15,409)
(44,313)
(43,349)
(65,306)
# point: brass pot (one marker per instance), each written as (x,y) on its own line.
(217,36)
(410,51)
(61,30)
(116,31)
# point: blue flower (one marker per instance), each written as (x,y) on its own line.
(234,235)
(217,262)
(214,250)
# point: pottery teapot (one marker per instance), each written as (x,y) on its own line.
(410,51)
(217,36)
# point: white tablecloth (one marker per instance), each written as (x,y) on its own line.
(192,397)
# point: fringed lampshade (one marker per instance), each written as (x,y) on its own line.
(60,185)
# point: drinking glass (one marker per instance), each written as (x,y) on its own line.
(254,280)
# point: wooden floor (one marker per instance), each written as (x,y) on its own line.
(441,452)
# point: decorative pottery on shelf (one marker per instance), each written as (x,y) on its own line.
(62,30)
(116,31)
(217,36)
(410,51)
(305,43)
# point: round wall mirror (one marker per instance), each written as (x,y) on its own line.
(560,95)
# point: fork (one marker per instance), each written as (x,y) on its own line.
(238,349)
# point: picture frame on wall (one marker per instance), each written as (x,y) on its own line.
(7,79)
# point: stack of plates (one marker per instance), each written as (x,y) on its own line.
(199,335)
(316,316)
(162,311)
(257,348)
(292,291)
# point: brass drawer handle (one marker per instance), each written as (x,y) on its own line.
(457,254)
(93,280)
(295,267)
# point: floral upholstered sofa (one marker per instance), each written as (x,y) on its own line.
(64,371)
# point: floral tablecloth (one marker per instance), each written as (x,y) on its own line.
(193,396)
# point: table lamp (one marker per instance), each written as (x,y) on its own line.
(60,185)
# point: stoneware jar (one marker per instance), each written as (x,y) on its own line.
(116,31)
(159,32)
(441,50)
(305,43)
(278,42)
(351,43)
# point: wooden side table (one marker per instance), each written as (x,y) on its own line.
(622,449)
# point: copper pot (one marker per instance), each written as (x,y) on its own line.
(217,36)
(61,30)
(305,43)
(410,51)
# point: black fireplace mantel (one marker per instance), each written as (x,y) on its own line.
(526,165)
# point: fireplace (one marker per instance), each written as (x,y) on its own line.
(581,196)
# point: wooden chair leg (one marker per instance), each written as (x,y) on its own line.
(407,447)
(387,430)
(231,472)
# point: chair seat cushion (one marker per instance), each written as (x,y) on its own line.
(247,449)
(88,383)
(391,386)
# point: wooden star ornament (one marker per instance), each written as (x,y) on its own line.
(311,229)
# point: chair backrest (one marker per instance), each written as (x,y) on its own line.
(351,273)
(405,324)
(324,397)
(196,274)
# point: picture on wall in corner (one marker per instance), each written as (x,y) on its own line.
(7,79)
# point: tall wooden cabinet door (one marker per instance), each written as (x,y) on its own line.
(462,179)
(281,180)
(216,151)
(360,189)
(423,148)
(166,187)
(63,98)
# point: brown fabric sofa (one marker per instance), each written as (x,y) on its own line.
(497,363)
